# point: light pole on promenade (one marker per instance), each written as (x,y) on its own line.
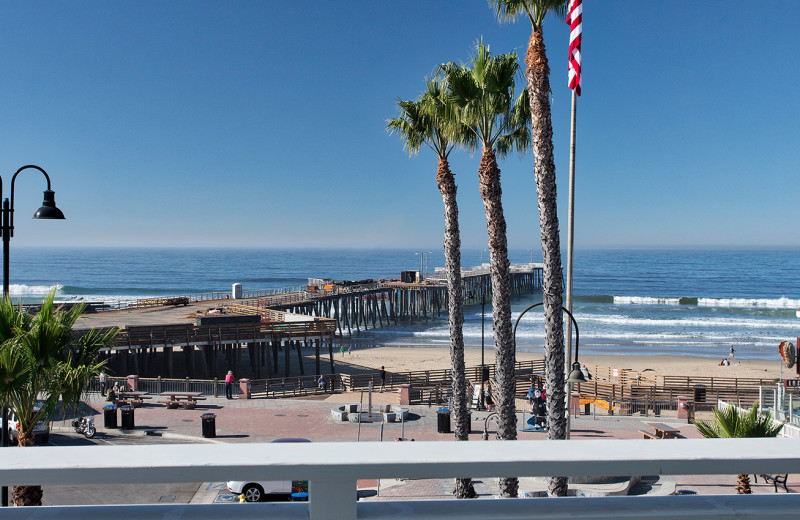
(575,375)
(47,211)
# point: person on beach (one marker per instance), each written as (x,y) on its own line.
(349,349)
(731,356)
(321,383)
(341,351)
(383,378)
(229,385)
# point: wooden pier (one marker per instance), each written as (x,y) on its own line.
(287,323)
(377,304)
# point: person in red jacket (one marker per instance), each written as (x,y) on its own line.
(229,385)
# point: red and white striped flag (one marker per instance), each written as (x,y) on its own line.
(574,18)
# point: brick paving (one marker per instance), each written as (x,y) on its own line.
(263,420)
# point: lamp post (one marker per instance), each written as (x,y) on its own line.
(575,375)
(47,211)
(483,366)
(427,258)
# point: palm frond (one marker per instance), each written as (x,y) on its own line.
(730,423)
(483,93)
(535,10)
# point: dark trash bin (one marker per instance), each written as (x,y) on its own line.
(110,416)
(209,422)
(127,417)
(443,420)
(700,394)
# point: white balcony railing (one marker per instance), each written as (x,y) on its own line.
(333,469)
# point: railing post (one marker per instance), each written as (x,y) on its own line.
(332,498)
(158,385)
(216,387)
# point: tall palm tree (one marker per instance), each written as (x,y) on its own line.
(42,362)
(731,423)
(483,92)
(537,75)
(430,122)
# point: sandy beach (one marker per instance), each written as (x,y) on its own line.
(403,359)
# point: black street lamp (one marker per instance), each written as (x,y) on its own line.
(483,366)
(575,375)
(47,211)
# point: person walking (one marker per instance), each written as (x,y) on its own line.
(731,356)
(103,382)
(229,385)
(383,378)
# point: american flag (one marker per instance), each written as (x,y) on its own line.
(574,18)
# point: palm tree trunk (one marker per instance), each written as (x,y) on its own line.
(26,495)
(455,312)
(505,355)
(537,74)
(743,486)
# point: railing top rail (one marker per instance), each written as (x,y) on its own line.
(350,461)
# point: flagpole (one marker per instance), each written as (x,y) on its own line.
(570,241)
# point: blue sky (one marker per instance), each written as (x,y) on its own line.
(200,123)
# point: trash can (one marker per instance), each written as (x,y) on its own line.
(700,394)
(209,425)
(443,420)
(127,417)
(110,416)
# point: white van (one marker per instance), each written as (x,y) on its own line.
(259,490)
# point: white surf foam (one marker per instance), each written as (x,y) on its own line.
(32,290)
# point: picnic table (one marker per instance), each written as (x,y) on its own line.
(187,400)
(661,431)
(132,398)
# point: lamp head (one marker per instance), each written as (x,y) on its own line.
(49,209)
(576,375)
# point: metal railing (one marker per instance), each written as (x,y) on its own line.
(333,470)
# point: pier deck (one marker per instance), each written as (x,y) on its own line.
(287,321)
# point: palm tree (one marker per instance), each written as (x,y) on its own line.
(537,74)
(42,362)
(483,92)
(732,423)
(430,122)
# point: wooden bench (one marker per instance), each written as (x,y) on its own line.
(188,404)
(774,479)
(648,435)
(187,400)
(664,431)
(135,399)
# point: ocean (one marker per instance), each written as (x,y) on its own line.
(643,302)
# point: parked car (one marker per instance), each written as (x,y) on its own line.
(275,489)
(41,432)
